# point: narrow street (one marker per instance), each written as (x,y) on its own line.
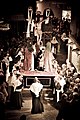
(50,112)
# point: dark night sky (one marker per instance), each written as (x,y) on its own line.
(10,7)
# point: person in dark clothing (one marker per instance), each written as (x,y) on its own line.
(2,103)
(36,89)
(23,117)
(75,105)
(4,68)
(65,109)
(17,95)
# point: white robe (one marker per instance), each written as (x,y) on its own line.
(36,88)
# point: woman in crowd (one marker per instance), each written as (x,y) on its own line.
(36,92)
(17,96)
(10,89)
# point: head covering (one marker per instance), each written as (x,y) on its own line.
(36,87)
(75,74)
(77,80)
(36,79)
(54,41)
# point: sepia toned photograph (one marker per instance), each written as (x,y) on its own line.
(66,14)
(39,60)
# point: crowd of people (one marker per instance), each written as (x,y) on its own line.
(26,54)
(67,92)
(10,92)
(31,47)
